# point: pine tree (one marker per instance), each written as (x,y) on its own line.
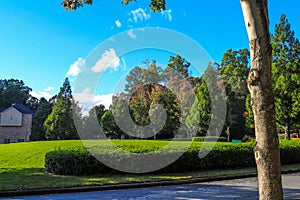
(179,64)
(286,75)
(209,95)
(60,124)
(200,113)
(234,71)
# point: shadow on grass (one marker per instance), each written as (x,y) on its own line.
(37,178)
(32,178)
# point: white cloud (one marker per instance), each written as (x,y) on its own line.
(118,23)
(49,89)
(167,14)
(85,96)
(88,100)
(109,59)
(139,14)
(131,34)
(76,67)
(46,93)
(105,100)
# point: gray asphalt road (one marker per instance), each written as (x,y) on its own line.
(230,189)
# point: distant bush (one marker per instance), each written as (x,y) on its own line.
(210,139)
(222,156)
(178,139)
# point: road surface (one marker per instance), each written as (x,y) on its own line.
(228,190)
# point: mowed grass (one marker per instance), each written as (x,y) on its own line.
(30,154)
(22,165)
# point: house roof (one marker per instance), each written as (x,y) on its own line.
(21,108)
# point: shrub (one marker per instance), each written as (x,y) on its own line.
(210,139)
(222,156)
(73,162)
(289,151)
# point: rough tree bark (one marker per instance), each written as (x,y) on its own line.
(267,153)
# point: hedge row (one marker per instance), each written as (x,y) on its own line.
(73,162)
(222,156)
(210,139)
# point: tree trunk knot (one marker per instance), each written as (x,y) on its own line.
(253,77)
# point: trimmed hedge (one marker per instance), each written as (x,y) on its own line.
(73,162)
(222,156)
(210,139)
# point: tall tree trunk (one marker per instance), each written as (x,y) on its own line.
(267,154)
(287,132)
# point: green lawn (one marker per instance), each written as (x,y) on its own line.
(29,155)
(22,166)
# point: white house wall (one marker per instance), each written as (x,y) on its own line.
(11,117)
(17,133)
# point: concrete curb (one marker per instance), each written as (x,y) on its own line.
(15,193)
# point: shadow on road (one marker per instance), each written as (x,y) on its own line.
(185,192)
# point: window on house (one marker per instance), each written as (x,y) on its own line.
(20,140)
(6,141)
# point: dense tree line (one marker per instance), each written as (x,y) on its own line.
(149,85)
(259,82)
(15,91)
(53,118)
(234,70)
(286,76)
(145,89)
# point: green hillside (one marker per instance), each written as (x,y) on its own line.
(29,154)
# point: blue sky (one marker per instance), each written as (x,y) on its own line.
(41,43)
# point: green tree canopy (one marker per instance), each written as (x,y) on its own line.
(138,76)
(155,5)
(267,151)
(13,91)
(60,124)
(179,64)
(209,93)
(286,75)
(200,113)
(234,70)
(43,110)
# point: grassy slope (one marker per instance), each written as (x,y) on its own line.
(22,166)
(29,154)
